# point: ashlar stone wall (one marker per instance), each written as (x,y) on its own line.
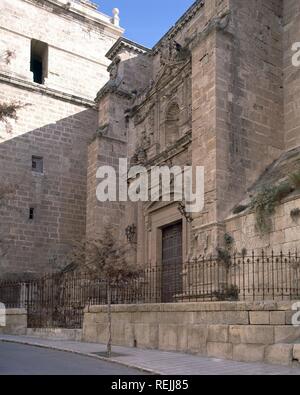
(248,332)
(56,123)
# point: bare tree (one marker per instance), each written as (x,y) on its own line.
(107,259)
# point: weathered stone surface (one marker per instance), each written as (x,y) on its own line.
(248,352)
(260,334)
(172,337)
(146,335)
(259,317)
(218,333)
(289,317)
(95,333)
(286,334)
(197,339)
(57,124)
(220,350)
(281,354)
(296,352)
(16,322)
(277,318)
(246,343)
(224,317)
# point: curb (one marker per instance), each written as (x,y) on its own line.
(110,360)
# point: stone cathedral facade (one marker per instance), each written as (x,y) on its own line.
(219,90)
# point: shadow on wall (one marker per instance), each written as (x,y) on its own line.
(47,168)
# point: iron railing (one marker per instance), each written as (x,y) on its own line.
(59,300)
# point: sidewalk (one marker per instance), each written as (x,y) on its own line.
(159,362)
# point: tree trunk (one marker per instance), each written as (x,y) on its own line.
(109,343)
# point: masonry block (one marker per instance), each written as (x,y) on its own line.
(218,333)
(296,352)
(220,350)
(277,318)
(259,317)
(248,352)
(281,354)
(172,337)
(222,317)
(260,334)
(146,335)
(197,339)
(286,334)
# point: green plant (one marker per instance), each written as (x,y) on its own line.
(228,293)
(229,240)
(224,257)
(295,179)
(224,254)
(282,191)
(265,203)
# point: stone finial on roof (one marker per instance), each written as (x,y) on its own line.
(116,17)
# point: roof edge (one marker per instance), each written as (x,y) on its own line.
(181,22)
(125,42)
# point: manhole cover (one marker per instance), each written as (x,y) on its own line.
(113,354)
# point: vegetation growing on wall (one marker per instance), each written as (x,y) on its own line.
(9,111)
(227,291)
(265,202)
(295,179)
(224,254)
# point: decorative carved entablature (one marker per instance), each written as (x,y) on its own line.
(170,76)
(141,115)
(171,51)
(167,156)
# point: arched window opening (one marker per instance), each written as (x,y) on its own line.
(172,125)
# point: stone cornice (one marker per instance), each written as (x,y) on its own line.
(44,90)
(112,138)
(128,44)
(81,12)
(112,87)
(172,151)
(181,23)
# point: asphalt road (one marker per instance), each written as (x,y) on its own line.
(17,359)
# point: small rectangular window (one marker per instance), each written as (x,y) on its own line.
(37,164)
(31,213)
(39,61)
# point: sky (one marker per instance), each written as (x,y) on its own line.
(146,21)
